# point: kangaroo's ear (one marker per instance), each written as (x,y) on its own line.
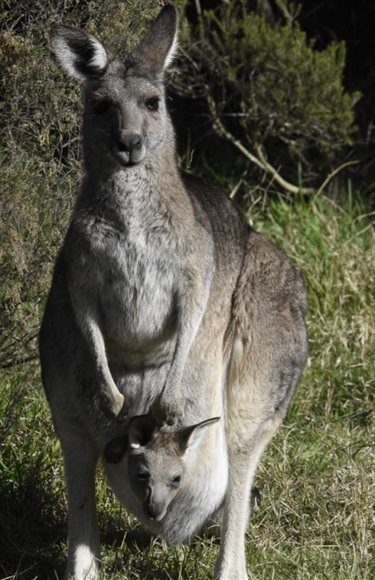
(115,449)
(79,53)
(189,437)
(157,49)
(140,430)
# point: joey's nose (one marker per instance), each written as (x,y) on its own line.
(129,142)
(154,509)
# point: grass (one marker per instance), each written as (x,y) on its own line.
(317,478)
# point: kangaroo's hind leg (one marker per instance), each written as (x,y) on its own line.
(80,458)
(231,564)
(268,351)
(248,434)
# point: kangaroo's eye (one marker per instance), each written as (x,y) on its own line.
(176,480)
(143,476)
(153,103)
(101,106)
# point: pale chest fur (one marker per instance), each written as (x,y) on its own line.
(129,275)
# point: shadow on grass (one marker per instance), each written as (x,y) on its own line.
(33,538)
(32,528)
(132,549)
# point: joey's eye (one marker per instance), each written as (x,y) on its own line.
(153,103)
(176,480)
(143,476)
(101,106)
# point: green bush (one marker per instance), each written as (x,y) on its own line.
(267,86)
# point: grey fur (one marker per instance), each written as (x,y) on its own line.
(163,302)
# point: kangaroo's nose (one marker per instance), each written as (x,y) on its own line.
(154,509)
(129,148)
(129,142)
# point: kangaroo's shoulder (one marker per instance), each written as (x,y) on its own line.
(225,218)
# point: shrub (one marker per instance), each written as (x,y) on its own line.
(267,89)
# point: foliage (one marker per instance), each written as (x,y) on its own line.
(317,481)
(266,87)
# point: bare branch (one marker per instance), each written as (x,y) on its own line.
(258,160)
(277,177)
(334,172)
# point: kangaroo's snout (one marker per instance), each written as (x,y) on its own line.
(153,508)
(129,148)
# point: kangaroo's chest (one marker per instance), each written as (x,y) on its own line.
(131,279)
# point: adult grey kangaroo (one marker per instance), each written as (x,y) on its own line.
(163,303)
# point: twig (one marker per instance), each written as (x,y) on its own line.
(18,361)
(198,8)
(334,172)
(280,180)
(260,160)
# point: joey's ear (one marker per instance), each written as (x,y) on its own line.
(156,50)
(115,449)
(189,437)
(79,53)
(140,430)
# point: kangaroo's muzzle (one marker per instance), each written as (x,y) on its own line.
(154,509)
(129,148)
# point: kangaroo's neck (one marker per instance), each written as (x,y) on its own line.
(143,196)
(153,178)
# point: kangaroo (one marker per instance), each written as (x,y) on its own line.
(164,302)
(156,462)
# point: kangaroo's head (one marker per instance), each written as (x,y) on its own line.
(125,118)
(156,460)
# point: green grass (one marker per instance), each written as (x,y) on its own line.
(317,477)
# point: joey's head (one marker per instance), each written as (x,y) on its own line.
(157,461)
(125,118)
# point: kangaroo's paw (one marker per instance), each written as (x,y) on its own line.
(112,403)
(166,413)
